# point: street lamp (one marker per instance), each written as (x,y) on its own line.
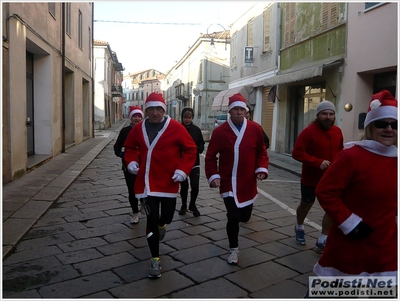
(212,43)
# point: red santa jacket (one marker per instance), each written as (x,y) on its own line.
(173,150)
(360,185)
(241,154)
(312,147)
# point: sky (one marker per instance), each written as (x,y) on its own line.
(156,34)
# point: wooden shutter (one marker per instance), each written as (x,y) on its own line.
(267,21)
(329,16)
(250,33)
(267,113)
(290,18)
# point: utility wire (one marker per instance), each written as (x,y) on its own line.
(160,23)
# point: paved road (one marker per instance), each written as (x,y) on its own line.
(84,246)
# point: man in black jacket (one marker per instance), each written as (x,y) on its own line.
(194,176)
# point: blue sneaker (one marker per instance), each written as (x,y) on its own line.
(299,236)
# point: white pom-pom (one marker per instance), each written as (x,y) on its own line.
(375,104)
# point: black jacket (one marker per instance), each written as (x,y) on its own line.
(119,144)
(196,134)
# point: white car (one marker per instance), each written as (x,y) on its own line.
(220,119)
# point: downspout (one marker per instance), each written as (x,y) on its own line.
(62,77)
(93,68)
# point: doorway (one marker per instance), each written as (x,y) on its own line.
(303,108)
(30,122)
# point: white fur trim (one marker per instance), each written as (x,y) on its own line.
(330,271)
(213,177)
(153,103)
(350,223)
(238,103)
(136,111)
(375,147)
(380,113)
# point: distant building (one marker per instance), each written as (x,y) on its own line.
(47,81)
(198,77)
(137,86)
(108,77)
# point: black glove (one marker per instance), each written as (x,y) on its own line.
(121,155)
(362,230)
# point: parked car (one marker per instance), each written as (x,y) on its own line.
(220,119)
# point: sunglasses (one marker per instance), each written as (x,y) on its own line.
(381,124)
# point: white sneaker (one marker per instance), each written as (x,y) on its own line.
(135,218)
(233,257)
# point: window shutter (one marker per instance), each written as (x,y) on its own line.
(250,33)
(290,14)
(329,15)
(334,14)
(267,21)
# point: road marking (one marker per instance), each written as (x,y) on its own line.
(287,208)
(282,181)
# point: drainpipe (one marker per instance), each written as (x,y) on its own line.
(62,77)
(93,68)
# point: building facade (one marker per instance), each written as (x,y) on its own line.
(316,51)
(198,78)
(108,92)
(137,87)
(255,44)
(47,81)
(371,60)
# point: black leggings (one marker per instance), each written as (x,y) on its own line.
(154,219)
(194,177)
(235,216)
(130,182)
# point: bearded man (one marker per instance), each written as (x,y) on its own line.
(316,147)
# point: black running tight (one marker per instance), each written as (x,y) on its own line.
(235,216)
(155,219)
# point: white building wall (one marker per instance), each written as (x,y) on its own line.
(372,47)
(100,87)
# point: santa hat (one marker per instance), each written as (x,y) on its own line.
(237,100)
(135,110)
(382,105)
(155,100)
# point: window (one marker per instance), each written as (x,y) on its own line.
(52,9)
(80,30)
(371,4)
(68,18)
(250,33)
(266,33)
(329,15)
(290,18)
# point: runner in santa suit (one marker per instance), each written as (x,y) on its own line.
(359,193)
(236,158)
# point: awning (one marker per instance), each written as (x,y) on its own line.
(221,101)
(291,77)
